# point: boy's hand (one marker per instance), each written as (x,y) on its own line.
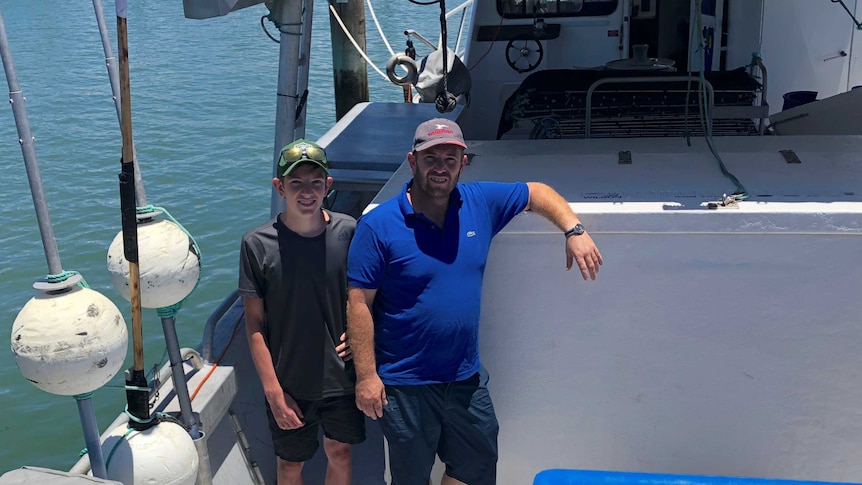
(285,410)
(343,349)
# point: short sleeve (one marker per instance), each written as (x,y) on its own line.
(250,277)
(505,201)
(366,261)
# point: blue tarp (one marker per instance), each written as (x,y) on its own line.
(598,477)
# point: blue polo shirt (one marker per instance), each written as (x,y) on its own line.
(429,279)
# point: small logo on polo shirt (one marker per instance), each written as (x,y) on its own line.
(471,233)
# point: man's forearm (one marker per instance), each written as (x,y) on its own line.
(360,331)
(549,204)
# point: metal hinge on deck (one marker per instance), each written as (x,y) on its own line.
(726,202)
(790,156)
(625,157)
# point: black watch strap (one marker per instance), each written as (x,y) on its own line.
(577,230)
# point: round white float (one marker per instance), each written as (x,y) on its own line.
(168,264)
(69,343)
(164,454)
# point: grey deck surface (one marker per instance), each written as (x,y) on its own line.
(376,136)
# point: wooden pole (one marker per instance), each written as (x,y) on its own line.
(350,74)
(113,76)
(137,388)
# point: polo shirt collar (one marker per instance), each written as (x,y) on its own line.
(407,210)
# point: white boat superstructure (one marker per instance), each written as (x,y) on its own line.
(722,336)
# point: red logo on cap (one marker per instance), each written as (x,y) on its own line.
(441,132)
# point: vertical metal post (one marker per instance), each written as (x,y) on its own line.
(179,377)
(28,149)
(304,68)
(85,406)
(91,436)
(288,15)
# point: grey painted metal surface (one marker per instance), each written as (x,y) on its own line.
(44,476)
(716,342)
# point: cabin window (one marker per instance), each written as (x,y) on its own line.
(513,9)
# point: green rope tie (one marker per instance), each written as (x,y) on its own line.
(125,437)
(172,310)
(136,419)
(65,275)
(117,444)
(84,396)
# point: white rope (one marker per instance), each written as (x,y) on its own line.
(355,45)
(380,30)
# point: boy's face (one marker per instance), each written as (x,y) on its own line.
(303,189)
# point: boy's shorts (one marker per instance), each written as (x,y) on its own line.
(455,420)
(340,418)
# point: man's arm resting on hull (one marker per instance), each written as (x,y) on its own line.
(580,249)
(370,392)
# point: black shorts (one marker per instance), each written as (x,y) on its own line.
(340,418)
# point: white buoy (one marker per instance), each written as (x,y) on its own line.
(169,265)
(164,454)
(69,343)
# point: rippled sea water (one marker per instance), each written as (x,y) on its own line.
(203,108)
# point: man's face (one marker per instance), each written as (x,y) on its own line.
(436,170)
(303,189)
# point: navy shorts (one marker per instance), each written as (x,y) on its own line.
(455,421)
(340,418)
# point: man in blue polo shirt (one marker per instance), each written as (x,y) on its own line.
(414,276)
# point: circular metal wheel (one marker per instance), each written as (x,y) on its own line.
(524,55)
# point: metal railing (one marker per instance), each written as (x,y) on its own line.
(644,79)
(212,321)
(459,9)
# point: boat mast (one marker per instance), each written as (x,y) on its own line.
(288,16)
(304,71)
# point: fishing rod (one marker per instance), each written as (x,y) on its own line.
(50,337)
(137,387)
(146,214)
(113,76)
(149,436)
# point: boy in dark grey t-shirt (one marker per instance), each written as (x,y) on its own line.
(294,288)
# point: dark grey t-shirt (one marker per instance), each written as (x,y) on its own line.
(303,283)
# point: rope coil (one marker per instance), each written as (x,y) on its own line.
(65,275)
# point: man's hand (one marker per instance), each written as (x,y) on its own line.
(582,249)
(285,410)
(371,396)
(343,349)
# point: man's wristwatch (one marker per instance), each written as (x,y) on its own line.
(577,230)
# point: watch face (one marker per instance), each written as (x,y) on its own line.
(576,231)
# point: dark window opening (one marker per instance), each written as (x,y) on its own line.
(514,9)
